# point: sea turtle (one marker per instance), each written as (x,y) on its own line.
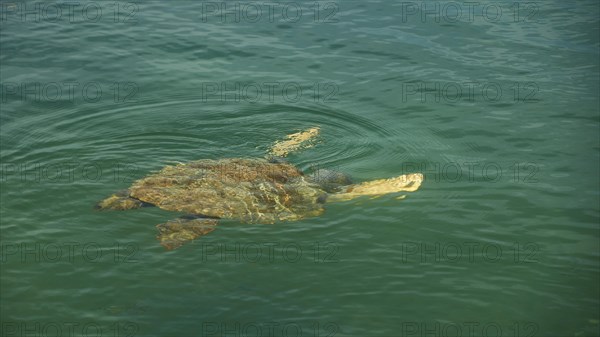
(251,190)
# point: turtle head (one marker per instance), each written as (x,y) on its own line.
(277,160)
(330,180)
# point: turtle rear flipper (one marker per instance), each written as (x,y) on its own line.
(121,201)
(175,233)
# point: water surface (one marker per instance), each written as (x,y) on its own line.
(500,115)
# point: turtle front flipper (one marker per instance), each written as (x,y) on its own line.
(120,201)
(175,233)
(404,183)
(294,142)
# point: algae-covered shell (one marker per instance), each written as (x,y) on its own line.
(250,190)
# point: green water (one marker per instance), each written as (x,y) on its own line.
(501,240)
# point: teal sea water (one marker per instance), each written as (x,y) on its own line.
(499,110)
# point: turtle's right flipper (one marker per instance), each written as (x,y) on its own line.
(120,201)
(174,233)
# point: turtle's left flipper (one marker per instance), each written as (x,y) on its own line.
(294,142)
(404,183)
(120,201)
(174,233)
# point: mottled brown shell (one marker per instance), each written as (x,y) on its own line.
(250,190)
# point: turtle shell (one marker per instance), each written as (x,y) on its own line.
(250,190)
